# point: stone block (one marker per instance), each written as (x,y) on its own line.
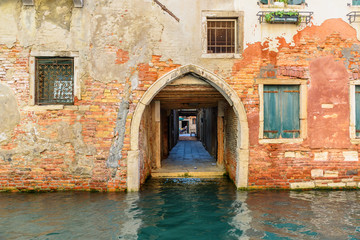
(347,180)
(71,107)
(351,156)
(289,154)
(330,174)
(302,185)
(327,106)
(351,184)
(317,173)
(322,183)
(84,107)
(337,184)
(321,156)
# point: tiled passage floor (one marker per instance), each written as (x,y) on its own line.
(190,158)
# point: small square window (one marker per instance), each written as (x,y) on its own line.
(54,80)
(221,35)
(281,111)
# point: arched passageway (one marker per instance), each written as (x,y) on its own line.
(232,99)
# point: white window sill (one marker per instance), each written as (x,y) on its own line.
(56,107)
(355,140)
(221,55)
(50,107)
(43,107)
(283,140)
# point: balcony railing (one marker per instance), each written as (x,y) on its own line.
(285,17)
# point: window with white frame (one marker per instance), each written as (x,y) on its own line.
(54,80)
(283,114)
(222,34)
(355,111)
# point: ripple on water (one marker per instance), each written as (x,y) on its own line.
(186,208)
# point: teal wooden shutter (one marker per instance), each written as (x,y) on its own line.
(357,111)
(356,2)
(290,106)
(272,118)
(282,111)
(295,2)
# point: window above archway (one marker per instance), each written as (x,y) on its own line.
(222,34)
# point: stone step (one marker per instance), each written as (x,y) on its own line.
(179,174)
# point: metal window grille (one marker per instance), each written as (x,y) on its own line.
(54,80)
(221,35)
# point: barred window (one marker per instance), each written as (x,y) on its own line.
(221,35)
(54,80)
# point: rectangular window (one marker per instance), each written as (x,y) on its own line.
(221,35)
(54,78)
(356,2)
(281,111)
(357,110)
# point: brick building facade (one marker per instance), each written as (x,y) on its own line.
(89,129)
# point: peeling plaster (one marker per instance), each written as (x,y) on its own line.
(9,113)
(58,12)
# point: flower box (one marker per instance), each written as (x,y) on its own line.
(285,19)
(282,17)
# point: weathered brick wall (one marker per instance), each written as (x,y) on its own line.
(122,56)
(278,165)
(322,54)
(59,149)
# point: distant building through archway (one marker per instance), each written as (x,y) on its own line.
(242,148)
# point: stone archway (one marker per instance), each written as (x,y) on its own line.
(133,161)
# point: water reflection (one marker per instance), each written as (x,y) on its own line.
(131,221)
(187,209)
(242,217)
(182,209)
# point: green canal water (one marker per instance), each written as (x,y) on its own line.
(181,209)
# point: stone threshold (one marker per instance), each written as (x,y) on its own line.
(180,174)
